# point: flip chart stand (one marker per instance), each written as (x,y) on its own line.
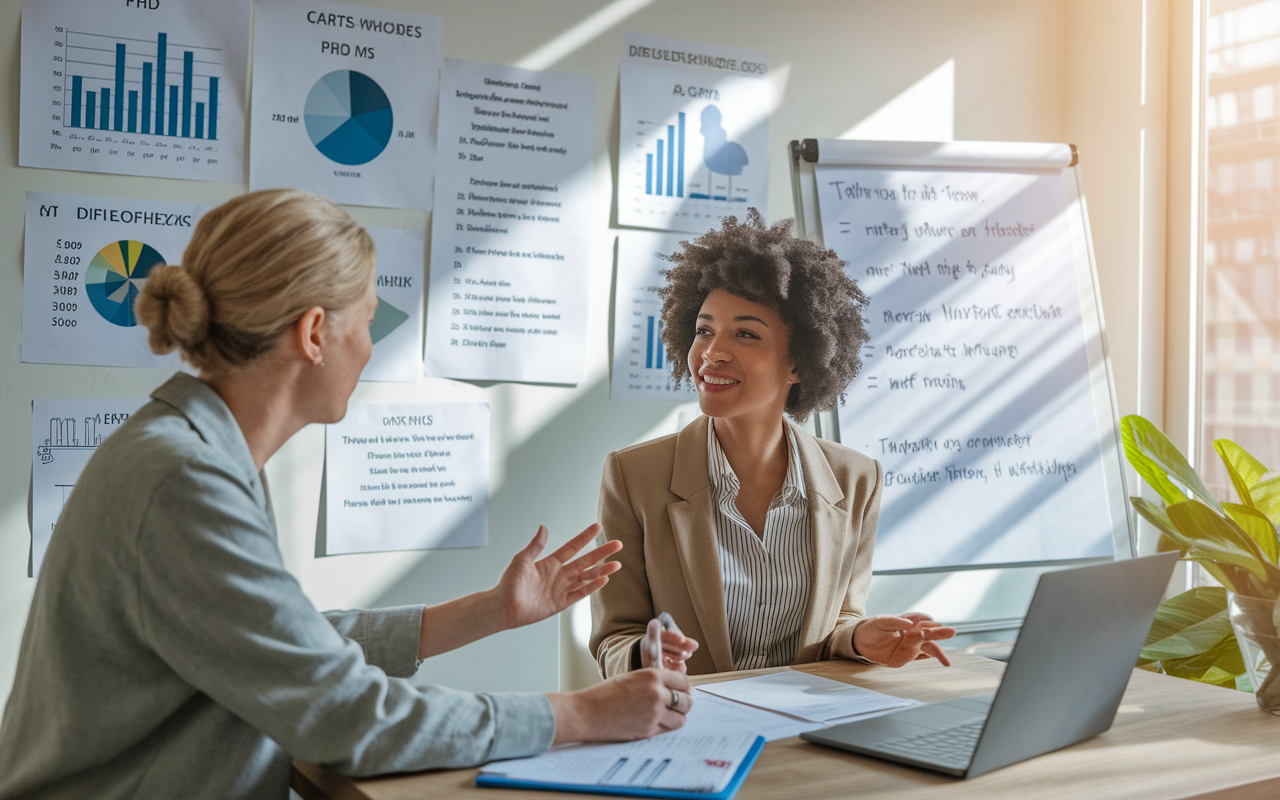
(1040,181)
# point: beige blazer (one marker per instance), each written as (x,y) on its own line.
(657,499)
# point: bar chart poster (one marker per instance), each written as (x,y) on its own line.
(641,369)
(64,436)
(145,88)
(397,324)
(85,261)
(693,136)
(511,233)
(345,102)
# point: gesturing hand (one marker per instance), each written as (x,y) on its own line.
(895,639)
(531,590)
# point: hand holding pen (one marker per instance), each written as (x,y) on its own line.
(665,646)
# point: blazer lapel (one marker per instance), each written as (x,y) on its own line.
(829,530)
(692,522)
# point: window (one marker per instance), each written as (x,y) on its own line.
(1241,318)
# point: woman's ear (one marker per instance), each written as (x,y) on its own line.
(310,335)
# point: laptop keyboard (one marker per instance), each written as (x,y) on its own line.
(952,747)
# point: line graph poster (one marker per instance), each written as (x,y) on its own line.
(397,326)
(345,101)
(694,133)
(64,436)
(85,261)
(155,89)
(641,369)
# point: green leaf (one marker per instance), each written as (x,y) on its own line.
(1208,535)
(1156,515)
(1257,486)
(1259,528)
(1266,495)
(1244,469)
(1191,637)
(1219,666)
(1189,624)
(1157,460)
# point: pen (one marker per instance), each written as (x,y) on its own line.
(669,623)
(653,644)
(653,637)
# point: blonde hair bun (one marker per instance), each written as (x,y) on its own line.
(175,309)
(253,266)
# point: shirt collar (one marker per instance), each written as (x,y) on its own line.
(725,481)
(210,418)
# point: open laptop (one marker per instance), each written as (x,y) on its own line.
(1069,669)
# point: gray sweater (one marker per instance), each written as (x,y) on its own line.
(168,653)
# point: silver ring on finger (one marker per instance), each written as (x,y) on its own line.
(675,700)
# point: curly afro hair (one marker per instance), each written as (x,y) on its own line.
(805,283)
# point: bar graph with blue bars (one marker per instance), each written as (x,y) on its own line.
(653,344)
(664,168)
(641,363)
(129,85)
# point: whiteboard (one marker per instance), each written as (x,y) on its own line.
(985,391)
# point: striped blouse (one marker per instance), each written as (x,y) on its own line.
(766,581)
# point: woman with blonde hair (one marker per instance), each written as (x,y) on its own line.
(169,653)
(753,535)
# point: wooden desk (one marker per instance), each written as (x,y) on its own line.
(1171,739)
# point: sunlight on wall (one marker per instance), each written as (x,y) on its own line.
(580,34)
(924,112)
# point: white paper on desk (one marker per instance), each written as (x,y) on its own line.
(712,715)
(676,760)
(806,696)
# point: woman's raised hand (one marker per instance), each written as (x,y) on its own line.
(531,590)
(895,639)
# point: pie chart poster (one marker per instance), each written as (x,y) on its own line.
(85,261)
(345,102)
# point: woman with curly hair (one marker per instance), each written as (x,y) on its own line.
(755,536)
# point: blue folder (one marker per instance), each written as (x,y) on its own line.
(728,792)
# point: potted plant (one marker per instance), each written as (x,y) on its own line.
(1236,543)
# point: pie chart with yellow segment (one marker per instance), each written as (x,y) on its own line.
(115,276)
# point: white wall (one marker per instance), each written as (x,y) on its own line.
(1015,69)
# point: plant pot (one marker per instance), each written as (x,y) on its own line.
(1253,620)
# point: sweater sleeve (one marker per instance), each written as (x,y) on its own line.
(215,601)
(389,637)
